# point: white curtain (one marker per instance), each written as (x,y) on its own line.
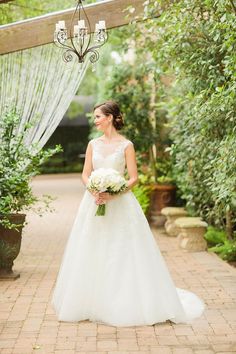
(40,85)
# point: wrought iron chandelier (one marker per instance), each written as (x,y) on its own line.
(81,38)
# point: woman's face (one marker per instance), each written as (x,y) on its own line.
(101,121)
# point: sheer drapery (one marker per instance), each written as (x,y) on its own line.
(40,85)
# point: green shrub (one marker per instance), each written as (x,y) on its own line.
(214,236)
(227,251)
(194,43)
(142,193)
(19,162)
(218,243)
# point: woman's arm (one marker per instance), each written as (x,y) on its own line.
(88,167)
(131,163)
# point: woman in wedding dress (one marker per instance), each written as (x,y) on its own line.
(112,271)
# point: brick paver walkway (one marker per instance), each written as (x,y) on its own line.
(28,323)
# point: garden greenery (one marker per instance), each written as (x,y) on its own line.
(194,43)
(142,192)
(132,85)
(129,86)
(18,164)
(13,11)
(218,242)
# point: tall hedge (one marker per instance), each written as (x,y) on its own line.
(194,42)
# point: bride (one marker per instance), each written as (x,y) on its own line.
(112,271)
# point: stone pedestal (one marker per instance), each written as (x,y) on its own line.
(172,213)
(191,233)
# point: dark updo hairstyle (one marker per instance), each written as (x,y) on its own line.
(111,107)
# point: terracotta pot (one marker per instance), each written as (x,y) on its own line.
(10,243)
(163,195)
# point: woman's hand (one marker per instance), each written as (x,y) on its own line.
(98,199)
(94,194)
(104,197)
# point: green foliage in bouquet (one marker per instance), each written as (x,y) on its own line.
(18,164)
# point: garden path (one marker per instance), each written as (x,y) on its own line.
(28,323)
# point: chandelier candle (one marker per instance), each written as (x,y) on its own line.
(81,38)
(61,24)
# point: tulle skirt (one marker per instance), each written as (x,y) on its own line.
(112,271)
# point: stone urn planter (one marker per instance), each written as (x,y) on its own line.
(162,195)
(10,243)
(191,233)
(172,213)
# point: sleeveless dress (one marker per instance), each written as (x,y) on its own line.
(112,270)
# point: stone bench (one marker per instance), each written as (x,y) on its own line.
(171,214)
(191,233)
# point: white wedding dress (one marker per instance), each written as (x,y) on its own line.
(112,271)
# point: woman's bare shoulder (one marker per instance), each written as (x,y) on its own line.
(93,140)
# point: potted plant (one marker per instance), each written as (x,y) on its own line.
(18,164)
(163,189)
(165,184)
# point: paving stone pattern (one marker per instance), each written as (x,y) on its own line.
(28,323)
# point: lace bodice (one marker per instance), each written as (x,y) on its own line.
(109,155)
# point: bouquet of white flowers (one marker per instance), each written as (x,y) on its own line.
(106,180)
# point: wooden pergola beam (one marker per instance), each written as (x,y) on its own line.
(5,1)
(39,30)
